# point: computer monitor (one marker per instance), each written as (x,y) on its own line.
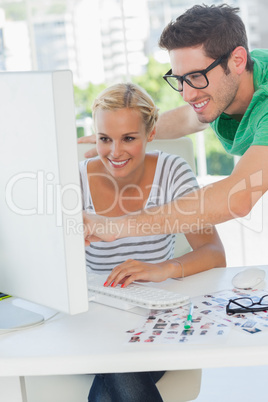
(42,255)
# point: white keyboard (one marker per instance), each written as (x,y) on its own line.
(134,295)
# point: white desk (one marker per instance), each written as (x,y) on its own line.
(96,341)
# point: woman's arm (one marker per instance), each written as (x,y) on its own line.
(208,252)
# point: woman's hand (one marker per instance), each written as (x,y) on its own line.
(132,270)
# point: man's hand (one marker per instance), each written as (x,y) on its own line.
(91,239)
(97,228)
(89,139)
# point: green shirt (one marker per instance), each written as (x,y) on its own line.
(236,137)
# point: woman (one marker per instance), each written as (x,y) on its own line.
(124,179)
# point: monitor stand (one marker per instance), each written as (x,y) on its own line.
(13,317)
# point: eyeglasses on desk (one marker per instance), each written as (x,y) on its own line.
(247,305)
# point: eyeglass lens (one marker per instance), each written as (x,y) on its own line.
(247,302)
(195,80)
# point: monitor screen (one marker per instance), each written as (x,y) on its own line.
(42,255)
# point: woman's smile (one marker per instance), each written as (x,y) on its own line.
(118,164)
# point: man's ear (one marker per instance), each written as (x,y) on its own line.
(239,58)
(151,135)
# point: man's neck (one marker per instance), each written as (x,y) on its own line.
(237,117)
(243,97)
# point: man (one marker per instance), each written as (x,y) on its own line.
(225,86)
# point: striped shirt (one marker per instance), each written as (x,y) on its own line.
(173,178)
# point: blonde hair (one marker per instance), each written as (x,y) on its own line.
(128,95)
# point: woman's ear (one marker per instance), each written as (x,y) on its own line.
(151,135)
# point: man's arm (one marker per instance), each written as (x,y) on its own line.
(178,122)
(226,199)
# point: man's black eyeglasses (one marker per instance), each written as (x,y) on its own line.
(196,79)
(247,305)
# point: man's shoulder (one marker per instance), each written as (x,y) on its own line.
(260,54)
(260,70)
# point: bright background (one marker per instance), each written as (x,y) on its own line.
(106,41)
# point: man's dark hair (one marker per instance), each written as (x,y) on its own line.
(218,28)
